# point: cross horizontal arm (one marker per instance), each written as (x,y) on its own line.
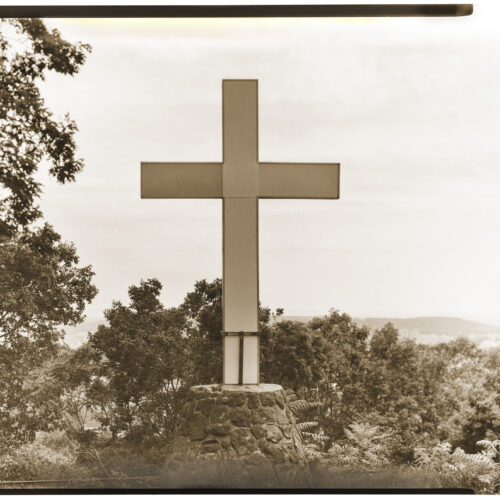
(299,180)
(181,180)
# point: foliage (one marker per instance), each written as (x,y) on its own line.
(41,288)
(293,356)
(341,387)
(456,468)
(58,441)
(41,285)
(300,405)
(28,131)
(139,365)
(302,411)
(122,459)
(131,376)
(402,387)
(365,402)
(33,461)
(59,390)
(470,395)
(202,309)
(363,448)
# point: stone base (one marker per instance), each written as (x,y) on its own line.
(242,425)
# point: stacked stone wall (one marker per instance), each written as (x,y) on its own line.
(240,424)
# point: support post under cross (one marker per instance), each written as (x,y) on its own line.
(240,180)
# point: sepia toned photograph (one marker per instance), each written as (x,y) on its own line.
(250,248)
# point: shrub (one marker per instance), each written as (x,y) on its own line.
(313,438)
(33,461)
(57,441)
(362,448)
(457,469)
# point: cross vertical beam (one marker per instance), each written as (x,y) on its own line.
(240,186)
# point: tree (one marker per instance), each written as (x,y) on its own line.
(140,361)
(41,285)
(342,389)
(469,395)
(393,386)
(393,370)
(293,356)
(28,131)
(41,288)
(147,355)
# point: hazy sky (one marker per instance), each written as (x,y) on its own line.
(409,107)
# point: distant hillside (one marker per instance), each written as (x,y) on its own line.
(426,330)
(435,329)
(431,324)
(431,329)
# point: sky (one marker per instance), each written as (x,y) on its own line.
(409,107)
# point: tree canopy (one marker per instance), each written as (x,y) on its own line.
(42,286)
(141,360)
(29,133)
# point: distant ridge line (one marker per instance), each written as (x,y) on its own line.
(387,319)
(424,329)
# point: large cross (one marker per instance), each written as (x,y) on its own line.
(240,180)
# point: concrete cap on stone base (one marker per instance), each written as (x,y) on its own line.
(254,388)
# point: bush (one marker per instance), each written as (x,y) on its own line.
(57,441)
(457,469)
(363,448)
(121,460)
(33,461)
